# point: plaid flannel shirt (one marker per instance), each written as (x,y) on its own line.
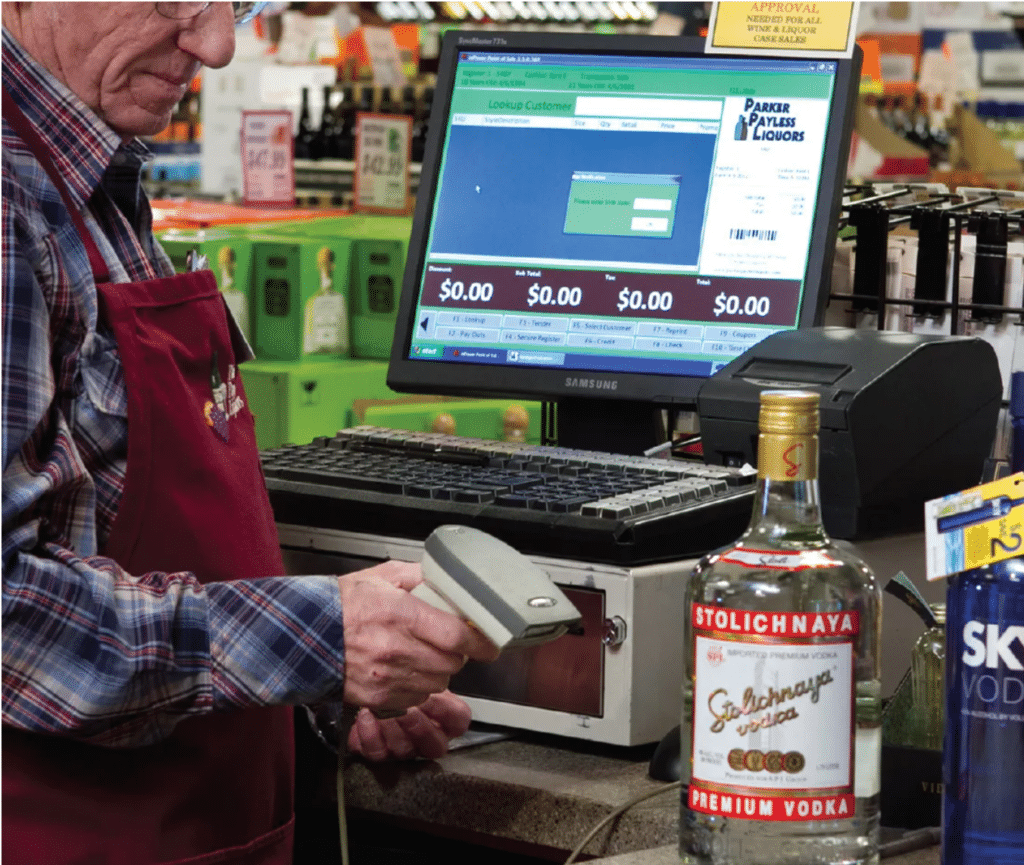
(90,651)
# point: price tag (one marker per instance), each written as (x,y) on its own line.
(385,58)
(380,180)
(268,159)
(977,527)
(824,29)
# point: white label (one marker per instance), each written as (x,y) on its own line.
(381,178)
(773,716)
(774,560)
(1002,67)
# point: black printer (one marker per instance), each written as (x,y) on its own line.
(905,417)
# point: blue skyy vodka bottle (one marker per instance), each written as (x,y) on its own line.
(983,764)
(983,753)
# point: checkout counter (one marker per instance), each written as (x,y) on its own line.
(528,799)
(534,796)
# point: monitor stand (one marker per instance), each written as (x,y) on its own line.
(616,426)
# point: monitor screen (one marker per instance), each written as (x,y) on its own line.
(604,222)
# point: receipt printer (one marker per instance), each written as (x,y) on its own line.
(904,417)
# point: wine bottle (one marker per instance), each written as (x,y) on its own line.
(781,719)
(305,134)
(421,123)
(326,137)
(345,122)
(388,104)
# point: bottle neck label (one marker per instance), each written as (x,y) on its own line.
(773,714)
(773,560)
(787,457)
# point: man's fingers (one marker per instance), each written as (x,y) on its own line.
(450,634)
(366,737)
(449,712)
(424,737)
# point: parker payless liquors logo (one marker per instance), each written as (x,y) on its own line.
(764,120)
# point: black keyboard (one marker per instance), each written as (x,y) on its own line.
(549,501)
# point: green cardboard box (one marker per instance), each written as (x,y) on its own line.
(296,401)
(377,264)
(300,286)
(228,251)
(380,246)
(495,419)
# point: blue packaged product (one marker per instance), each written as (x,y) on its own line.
(983,754)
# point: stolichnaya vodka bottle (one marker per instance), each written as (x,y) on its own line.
(782,690)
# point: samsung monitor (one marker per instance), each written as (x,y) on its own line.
(603,222)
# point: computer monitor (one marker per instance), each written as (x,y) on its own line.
(603,222)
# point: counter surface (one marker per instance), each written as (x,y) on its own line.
(668,855)
(536,794)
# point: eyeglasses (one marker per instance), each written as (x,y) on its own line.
(181,11)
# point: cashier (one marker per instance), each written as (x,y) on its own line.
(152,649)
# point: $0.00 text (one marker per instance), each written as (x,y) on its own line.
(731,304)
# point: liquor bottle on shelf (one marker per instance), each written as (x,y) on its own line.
(885,105)
(408,104)
(420,123)
(901,122)
(365,102)
(388,105)
(305,134)
(922,134)
(940,138)
(781,724)
(332,140)
(345,123)
(326,137)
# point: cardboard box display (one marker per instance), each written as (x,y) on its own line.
(377,265)
(296,401)
(977,148)
(300,288)
(493,419)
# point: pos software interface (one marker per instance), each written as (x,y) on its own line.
(629,213)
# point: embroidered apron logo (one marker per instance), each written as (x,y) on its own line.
(225,401)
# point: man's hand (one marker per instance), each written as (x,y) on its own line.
(398,649)
(423,731)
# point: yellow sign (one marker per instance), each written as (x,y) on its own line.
(977,527)
(780,28)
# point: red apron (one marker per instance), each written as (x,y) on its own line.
(220,788)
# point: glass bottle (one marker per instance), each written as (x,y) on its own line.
(781,720)
(304,134)
(388,104)
(344,124)
(420,124)
(326,137)
(940,137)
(928,683)
(983,751)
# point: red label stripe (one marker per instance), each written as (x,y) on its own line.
(844,623)
(781,808)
